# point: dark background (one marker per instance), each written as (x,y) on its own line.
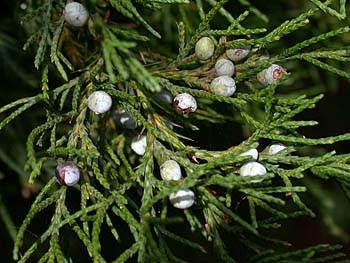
(20,79)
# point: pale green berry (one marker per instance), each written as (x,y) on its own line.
(269,75)
(224,67)
(99,102)
(204,48)
(223,85)
(253,169)
(75,14)
(182,199)
(170,170)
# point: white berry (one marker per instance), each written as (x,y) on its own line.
(269,75)
(139,144)
(223,85)
(75,14)
(99,102)
(124,119)
(276,148)
(182,199)
(238,53)
(170,170)
(224,67)
(185,103)
(67,173)
(204,48)
(253,153)
(252,169)
(164,96)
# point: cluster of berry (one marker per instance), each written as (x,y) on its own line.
(224,84)
(99,102)
(182,199)
(254,168)
(67,173)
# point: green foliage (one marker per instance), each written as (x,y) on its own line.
(120,194)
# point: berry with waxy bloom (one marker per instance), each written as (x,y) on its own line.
(253,169)
(276,148)
(204,48)
(238,53)
(170,170)
(253,153)
(223,85)
(224,67)
(67,173)
(182,199)
(271,74)
(99,102)
(75,14)
(139,144)
(185,103)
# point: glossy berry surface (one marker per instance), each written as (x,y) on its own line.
(185,103)
(163,96)
(170,170)
(276,148)
(124,119)
(182,199)
(139,144)
(99,102)
(253,169)
(67,173)
(253,153)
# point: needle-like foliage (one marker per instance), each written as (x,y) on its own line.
(120,198)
